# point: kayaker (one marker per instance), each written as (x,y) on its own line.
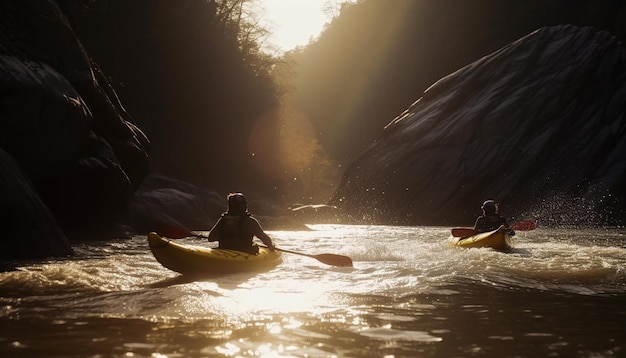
(236,228)
(490,219)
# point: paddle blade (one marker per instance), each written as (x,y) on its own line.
(333,260)
(526,225)
(463,231)
(172,231)
(328,259)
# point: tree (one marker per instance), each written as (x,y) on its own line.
(193,74)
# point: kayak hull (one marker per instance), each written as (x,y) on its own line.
(198,260)
(497,239)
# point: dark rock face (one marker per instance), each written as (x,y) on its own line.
(61,121)
(539,126)
(28,223)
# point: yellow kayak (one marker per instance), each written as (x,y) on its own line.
(199,260)
(497,239)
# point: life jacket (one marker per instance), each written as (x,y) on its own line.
(233,235)
(489,222)
(231,226)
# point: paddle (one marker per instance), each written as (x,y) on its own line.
(526,225)
(463,231)
(328,259)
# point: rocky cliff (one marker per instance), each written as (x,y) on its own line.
(67,143)
(539,126)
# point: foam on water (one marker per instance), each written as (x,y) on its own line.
(408,289)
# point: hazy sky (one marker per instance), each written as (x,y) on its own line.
(294,22)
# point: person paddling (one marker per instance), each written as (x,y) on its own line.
(236,228)
(490,219)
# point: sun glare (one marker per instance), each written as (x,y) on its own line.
(294,23)
(248,300)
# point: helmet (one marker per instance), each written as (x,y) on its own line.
(489,207)
(237,204)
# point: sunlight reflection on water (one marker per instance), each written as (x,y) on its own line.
(408,294)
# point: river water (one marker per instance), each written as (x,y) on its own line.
(560,293)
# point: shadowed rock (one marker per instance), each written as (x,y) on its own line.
(538,126)
(28,223)
(165,202)
(164,205)
(62,122)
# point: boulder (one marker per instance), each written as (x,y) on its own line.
(29,229)
(315,213)
(539,126)
(164,204)
(167,205)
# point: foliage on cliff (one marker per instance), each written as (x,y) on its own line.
(192,73)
